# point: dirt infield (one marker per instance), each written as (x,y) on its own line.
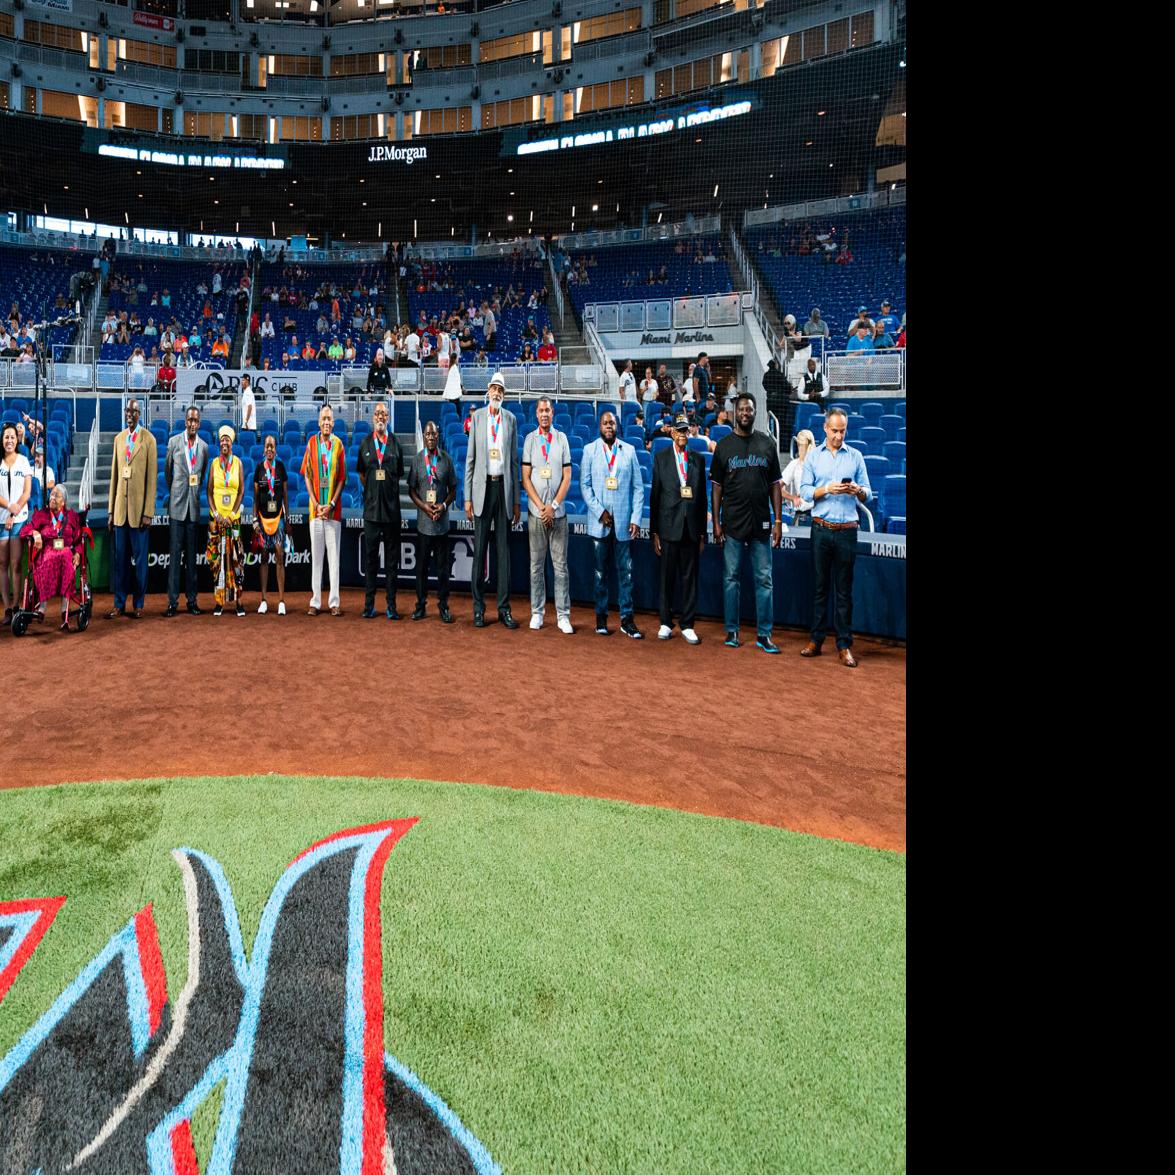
(806,745)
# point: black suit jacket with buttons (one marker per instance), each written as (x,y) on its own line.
(671,516)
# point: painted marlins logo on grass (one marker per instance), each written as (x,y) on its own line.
(292,1038)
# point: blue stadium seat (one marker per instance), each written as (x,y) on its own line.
(892,424)
(719,431)
(879,469)
(660,443)
(872,411)
(900,409)
(896,524)
(893,494)
(902,435)
(873,436)
(895,451)
(699,445)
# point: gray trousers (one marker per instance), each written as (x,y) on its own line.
(554,541)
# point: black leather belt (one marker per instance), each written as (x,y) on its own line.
(493,477)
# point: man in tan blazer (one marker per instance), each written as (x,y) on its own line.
(131,506)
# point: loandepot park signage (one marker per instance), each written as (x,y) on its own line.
(192,158)
(674,344)
(407,155)
(214,381)
(642,130)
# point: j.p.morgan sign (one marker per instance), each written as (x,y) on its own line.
(407,155)
(717,340)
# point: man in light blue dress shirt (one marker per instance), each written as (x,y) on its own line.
(614,496)
(834,481)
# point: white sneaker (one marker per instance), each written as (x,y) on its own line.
(691,637)
(281,608)
(664,632)
(565,625)
(262,608)
(536,621)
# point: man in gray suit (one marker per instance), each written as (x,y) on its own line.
(186,469)
(492,490)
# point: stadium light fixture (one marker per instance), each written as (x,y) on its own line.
(659,215)
(510,217)
(595,208)
(379,232)
(272,229)
(414,228)
(531,216)
(572,211)
(715,196)
(127,215)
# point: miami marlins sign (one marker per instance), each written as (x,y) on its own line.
(107,1080)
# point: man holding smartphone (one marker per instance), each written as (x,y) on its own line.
(834,481)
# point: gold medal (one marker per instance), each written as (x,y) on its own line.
(126,473)
(545,474)
(193,480)
(227,499)
(431,497)
(381,475)
(611,483)
(687,491)
(495,454)
(59,544)
(272,506)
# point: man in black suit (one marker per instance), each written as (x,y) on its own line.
(677,521)
(381,464)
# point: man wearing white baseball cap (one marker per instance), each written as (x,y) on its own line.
(492,495)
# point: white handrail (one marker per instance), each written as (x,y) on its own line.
(556,285)
(86,488)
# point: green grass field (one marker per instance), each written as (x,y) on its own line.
(589,985)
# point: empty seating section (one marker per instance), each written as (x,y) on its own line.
(640,273)
(139,287)
(473,282)
(799,283)
(35,284)
(299,301)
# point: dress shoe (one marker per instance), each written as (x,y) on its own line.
(115,613)
(368,613)
(137,614)
(418,612)
(507,620)
(767,645)
(392,614)
(312,611)
(732,641)
(846,658)
(172,610)
(446,615)
(811,649)
(195,610)
(479,620)
(336,611)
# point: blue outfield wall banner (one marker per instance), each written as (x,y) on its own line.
(879,585)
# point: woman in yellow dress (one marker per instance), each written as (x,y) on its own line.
(226,553)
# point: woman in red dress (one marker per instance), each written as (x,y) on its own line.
(56,536)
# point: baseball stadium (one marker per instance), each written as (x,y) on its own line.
(453,570)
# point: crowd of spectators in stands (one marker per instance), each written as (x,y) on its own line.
(821,242)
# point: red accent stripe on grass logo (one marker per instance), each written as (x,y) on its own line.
(151,964)
(183,1150)
(375,1124)
(47,910)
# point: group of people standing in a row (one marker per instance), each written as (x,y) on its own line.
(744,497)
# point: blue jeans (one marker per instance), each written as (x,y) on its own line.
(130,541)
(609,551)
(760,552)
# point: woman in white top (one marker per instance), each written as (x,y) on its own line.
(649,387)
(793,475)
(16,484)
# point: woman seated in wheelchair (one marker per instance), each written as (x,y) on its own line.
(54,536)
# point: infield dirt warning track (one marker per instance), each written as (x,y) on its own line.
(806,745)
